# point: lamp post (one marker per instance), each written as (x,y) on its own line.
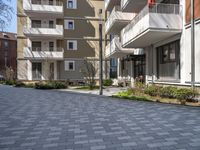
(192,46)
(100,53)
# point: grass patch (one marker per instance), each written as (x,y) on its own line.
(160,94)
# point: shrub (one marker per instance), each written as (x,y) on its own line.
(139,85)
(168,92)
(10,82)
(50,85)
(107,82)
(152,90)
(184,94)
(125,94)
(19,84)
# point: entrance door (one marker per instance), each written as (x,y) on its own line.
(139,68)
(36,71)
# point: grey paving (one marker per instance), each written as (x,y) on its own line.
(52,120)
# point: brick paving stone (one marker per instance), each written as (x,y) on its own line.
(52,120)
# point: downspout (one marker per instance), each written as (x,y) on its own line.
(152,63)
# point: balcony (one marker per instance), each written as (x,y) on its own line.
(43,54)
(115,50)
(117,21)
(44,31)
(46,10)
(109,4)
(133,5)
(153,24)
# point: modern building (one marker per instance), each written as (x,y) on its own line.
(56,37)
(8,51)
(161,31)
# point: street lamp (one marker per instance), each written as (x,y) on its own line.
(192,46)
(100,53)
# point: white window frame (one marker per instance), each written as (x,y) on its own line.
(74,4)
(66,65)
(67,24)
(74,44)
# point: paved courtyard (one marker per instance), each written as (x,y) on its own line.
(51,120)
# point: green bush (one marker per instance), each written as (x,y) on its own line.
(140,85)
(125,94)
(107,82)
(19,84)
(184,94)
(10,82)
(50,85)
(152,90)
(168,92)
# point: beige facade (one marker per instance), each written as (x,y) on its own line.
(55,37)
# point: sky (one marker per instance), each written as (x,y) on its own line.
(13,25)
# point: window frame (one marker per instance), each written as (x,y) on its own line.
(74,45)
(168,54)
(67,65)
(67,26)
(74,4)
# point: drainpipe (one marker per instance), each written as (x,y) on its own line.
(192,46)
(100,54)
(152,73)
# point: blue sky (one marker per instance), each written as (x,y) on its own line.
(13,25)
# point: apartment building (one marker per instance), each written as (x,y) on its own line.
(8,51)
(55,37)
(161,31)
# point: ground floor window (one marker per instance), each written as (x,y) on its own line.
(168,61)
(69,65)
(36,71)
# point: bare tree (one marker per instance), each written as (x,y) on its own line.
(89,71)
(6,12)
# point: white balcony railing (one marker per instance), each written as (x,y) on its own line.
(33,7)
(160,18)
(38,53)
(119,18)
(114,49)
(43,30)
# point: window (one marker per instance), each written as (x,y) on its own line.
(168,52)
(38,2)
(36,24)
(69,66)
(71,45)
(51,24)
(51,46)
(50,2)
(5,44)
(36,46)
(69,24)
(71,4)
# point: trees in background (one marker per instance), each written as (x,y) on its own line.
(6,12)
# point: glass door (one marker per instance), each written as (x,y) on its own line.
(36,71)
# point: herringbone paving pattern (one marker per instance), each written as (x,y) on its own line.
(50,120)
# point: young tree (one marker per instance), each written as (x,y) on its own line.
(89,71)
(6,12)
